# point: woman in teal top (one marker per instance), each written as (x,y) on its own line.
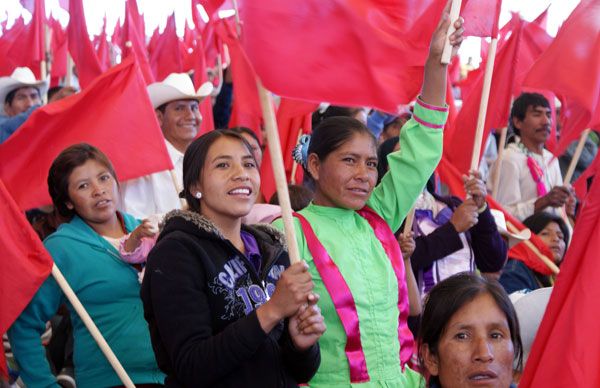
(82,184)
(362,344)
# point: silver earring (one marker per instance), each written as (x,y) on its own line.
(198,195)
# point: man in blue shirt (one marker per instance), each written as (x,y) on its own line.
(20,95)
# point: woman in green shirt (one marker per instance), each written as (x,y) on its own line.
(346,236)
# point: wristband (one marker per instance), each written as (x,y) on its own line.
(482,209)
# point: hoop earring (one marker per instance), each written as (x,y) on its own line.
(198,195)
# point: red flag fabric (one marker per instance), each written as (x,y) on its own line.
(246,110)
(513,60)
(294,118)
(80,47)
(30,50)
(103,49)
(450,176)
(367,53)
(24,266)
(133,39)
(200,77)
(100,115)
(166,56)
(188,47)
(571,67)
(59,49)
(212,6)
(153,41)
(117,35)
(566,350)
(481,17)
(542,19)
(7,40)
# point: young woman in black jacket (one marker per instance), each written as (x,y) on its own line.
(224,306)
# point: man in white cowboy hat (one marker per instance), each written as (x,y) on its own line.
(176,104)
(20,94)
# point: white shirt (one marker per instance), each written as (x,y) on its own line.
(517,191)
(155,193)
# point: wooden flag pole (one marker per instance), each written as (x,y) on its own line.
(91,326)
(47,46)
(69,76)
(576,156)
(496,169)
(483,104)
(549,263)
(454,14)
(177,188)
(279,171)
(410,218)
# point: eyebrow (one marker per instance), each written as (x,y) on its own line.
(229,157)
(542,109)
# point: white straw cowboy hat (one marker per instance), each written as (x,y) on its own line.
(21,77)
(513,238)
(177,86)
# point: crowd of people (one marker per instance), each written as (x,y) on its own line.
(186,272)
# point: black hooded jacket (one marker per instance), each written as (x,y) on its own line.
(200,294)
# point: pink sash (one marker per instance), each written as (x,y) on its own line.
(538,175)
(344,301)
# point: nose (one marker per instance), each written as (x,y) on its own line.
(546,120)
(98,189)
(483,350)
(29,102)
(361,172)
(240,173)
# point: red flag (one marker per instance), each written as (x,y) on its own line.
(293,119)
(100,115)
(188,47)
(566,350)
(80,46)
(452,178)
(134,39)
(514,59)
(7,40)
(246,110)
(212,6)
(59,49)
(200,77)
(166,56)
(481,17)
(571,67)
(117,37)
(367,53)
(102,49)
(542,19)
(30,50)
(24,266)
(153,41)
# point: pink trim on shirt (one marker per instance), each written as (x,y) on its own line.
(432,107)
(427,124)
